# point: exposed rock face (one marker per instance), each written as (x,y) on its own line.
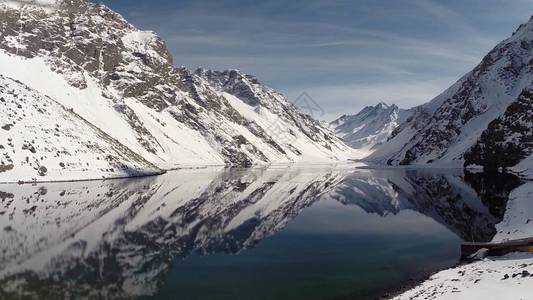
(370,127)
(508,139)
(443,130)
(123,81)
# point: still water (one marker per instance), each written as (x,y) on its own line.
(316,233)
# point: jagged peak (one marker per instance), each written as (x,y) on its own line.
(236,74)
(379,108)
(382,104)
(228,75)
(524,27)
(132,65)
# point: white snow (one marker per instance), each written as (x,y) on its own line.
(47,6)
(178,145)
(509,277)
(140,41)
(370,127)
(518,220)
(525,167)
(489,89)
(41,140)
(485,279)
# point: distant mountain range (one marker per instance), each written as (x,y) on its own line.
(370,127)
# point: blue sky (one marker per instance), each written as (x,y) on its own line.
(345,54)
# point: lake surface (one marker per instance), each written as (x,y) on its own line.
(316,233)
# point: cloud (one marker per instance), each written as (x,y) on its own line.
(347,54)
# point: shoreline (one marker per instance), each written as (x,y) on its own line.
(361,165)
(186,167)
(24,182)
(412,283)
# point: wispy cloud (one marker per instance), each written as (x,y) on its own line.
(349,53)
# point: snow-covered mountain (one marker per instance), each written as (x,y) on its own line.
(122,81)
(447,127)
(370,127)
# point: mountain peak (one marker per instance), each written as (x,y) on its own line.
(382,104)
(373,125)
(466,108)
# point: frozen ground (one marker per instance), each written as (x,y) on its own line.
(509,277)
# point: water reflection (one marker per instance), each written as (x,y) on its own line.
(469,204)
(119,239)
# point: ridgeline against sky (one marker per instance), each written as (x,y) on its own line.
(345,54)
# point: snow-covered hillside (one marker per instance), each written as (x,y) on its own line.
(507,277)
(123,81)
(443,130)
(517,223)
(370,127)
(42,140)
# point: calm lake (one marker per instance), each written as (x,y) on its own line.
(277,233)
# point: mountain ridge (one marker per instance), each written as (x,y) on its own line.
(441,131)
(372,126)
(124,81)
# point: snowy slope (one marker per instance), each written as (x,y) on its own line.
(505,278)
(518,221)
(370,127)
(525,167)
(42,140)
(443,130)
(123,81)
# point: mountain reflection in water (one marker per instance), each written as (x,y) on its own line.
(119,238)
